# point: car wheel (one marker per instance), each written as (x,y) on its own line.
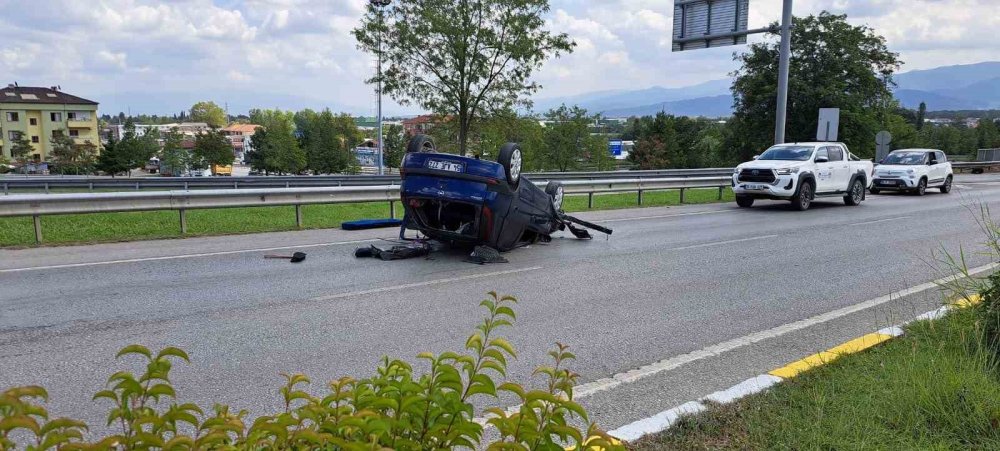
(556,191)
(857,193)
(803,198)
(744,201)
(946,188)
(921,188)
(874,190)
(510,159)
(421,143)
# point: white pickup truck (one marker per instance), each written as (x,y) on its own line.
(801,172)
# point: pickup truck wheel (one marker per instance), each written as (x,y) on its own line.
(921,188)
(856,194)
(946,188)
(744,201)
(420,143)
(555,190)
(803,198)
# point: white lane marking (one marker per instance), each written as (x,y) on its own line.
(639,218)
(879,220)
(608,383)
(720,243)
(176,257)
(748,387)
(424,284)
(658,422)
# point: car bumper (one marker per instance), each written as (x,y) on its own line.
(894,184)
(783,187)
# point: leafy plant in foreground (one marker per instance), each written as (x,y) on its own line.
(394,409)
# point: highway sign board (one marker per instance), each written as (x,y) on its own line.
(700,24)
(829,124)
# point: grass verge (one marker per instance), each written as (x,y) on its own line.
(931,389)
(105,227)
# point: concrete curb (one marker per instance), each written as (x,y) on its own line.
(664,420)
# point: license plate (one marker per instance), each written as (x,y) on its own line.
(755,187)
(445,166)
(887,182)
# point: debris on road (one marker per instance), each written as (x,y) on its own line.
(297,257)
(396,252)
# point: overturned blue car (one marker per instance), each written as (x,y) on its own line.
(461,200)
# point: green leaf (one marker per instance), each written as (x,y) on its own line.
(135,349)
(172,351)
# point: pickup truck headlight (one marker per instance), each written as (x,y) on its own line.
(788,171)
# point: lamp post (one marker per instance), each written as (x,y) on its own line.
(380,4)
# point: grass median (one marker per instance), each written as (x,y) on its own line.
(934,388)
(106,227)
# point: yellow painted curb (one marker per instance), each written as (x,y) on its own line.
(968,301)
(856,345)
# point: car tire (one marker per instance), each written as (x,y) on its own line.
(421,143)
(856,193)
(921,188)
(744,201)
(556,192)
(511,159)
(874,190)
(946,188)
(803,197)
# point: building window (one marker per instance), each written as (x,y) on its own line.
(33,121)
(14,135)
(34,139)
(71,116)
(56,117)
(12,117)
(74,133)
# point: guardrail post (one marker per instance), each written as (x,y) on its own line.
(184,221)
(46,187)
(682,195)
(392,209)
(720,193)
(298,216)
(287,185)
(137,186)
(90,186)
(236,185)
(590,201)
(185,186)
(6,189)
(640,197)
(38,228)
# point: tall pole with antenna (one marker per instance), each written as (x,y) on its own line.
(380,4)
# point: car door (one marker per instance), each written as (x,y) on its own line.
(824,171)
(840,168)
(939,169)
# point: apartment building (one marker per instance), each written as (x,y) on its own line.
(39,114)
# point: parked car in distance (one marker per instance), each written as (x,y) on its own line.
(801,172)
(913,171)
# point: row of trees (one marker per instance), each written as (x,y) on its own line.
(291,143)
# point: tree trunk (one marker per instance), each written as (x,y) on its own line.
(463,134)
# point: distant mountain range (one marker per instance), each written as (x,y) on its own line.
(961,87)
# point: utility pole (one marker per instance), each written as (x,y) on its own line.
(783,62)
(380,4)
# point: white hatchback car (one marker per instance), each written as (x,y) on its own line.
(913,170)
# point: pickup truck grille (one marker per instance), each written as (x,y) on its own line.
(757,175)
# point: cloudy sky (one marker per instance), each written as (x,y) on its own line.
(160,56)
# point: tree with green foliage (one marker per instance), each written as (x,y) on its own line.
(73,158)
(174,158)
(113,159)
(833,64)
(213,148)
(276,150)
(394,146)
(461,58)
(270,119)
(209,113)
(328,141)
(20,151)
(568,141)
(656,146)
(4,164)
(131,152)
(987,134)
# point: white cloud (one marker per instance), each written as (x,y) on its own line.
(209,48)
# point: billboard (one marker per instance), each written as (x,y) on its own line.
(367,156)
(700,24)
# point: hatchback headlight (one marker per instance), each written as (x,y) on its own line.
(788,171)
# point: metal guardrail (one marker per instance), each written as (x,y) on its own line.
(47,183)
(38,205)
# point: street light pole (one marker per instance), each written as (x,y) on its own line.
(783,62)
(380,4)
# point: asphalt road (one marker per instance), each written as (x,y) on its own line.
(669,284)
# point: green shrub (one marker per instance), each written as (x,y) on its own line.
(394,409)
